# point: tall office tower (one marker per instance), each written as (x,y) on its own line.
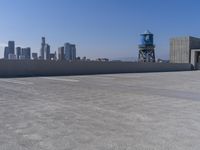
(67,51)
(18,52)
(42,48)
(70,51)
(47,52)
(26,53)
(73,52)
(6,52)
(61,53)
(11,46)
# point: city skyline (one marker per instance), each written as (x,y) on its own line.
(68,52)
(99,28)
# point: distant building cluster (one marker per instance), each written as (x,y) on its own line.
(45,52)
(66,52)
(21,53)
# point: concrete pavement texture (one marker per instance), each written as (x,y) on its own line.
(142,111)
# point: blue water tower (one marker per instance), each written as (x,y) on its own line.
(146,48)
(147,38)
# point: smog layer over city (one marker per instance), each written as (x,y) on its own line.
(99,75)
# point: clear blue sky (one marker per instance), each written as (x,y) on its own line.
(99,28)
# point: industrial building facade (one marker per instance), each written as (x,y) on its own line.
(185,50)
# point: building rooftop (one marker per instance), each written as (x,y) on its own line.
(101,112)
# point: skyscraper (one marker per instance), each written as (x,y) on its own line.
(11,47)
(67,51)
(6,52)
(26,53)
(73,52)
(70,51)
(47,52)
(18,52)
(61,53)
(42,48)
(9,51)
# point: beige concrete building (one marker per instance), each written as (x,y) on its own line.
(185,50)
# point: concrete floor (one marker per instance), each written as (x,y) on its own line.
(152,111)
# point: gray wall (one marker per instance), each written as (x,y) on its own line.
(10,68)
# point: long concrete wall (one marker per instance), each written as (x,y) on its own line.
(12,68)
